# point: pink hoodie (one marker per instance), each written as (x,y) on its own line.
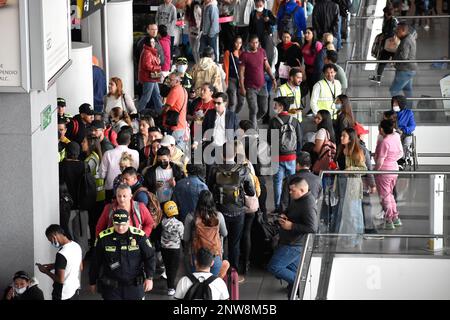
(388,151)
(165,44)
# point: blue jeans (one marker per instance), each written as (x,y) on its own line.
(339,35)
(235,227)
(402,82)
(206,41)
(149,90)
(284,262)
(285,169)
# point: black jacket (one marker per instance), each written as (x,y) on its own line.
(325,18)
(76,129)
(314,183)
(71,173)
(150,176)
(231,209)
(231,123)
(303,213)
(32,293)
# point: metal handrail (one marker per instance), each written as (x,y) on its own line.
(401,173)
(401,17)
(389,99)
(396,61)
(308,248)
(426,236)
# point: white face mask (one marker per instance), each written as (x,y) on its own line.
(338,106)
(182,68)
(396,108)
(261,9)
(21,290)
(56,244)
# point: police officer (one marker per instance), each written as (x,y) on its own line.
(62,115)
(124,261)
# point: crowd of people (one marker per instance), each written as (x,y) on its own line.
(180,178)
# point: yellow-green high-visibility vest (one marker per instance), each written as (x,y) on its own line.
(286,91)
(328,94)
(99,182)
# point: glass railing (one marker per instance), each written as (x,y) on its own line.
(391,267)
(427,110)
(365,29)
(357,213)
(356,202)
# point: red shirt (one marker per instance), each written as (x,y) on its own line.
(105,221)
(204,106)
(254,68)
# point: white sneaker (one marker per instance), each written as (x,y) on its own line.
(164,275)
(171,292)
(427,27)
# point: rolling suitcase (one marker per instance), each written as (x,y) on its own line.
(232,281)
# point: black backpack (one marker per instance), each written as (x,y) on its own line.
(288,136)
(288,23)
(87,190)
(228,188)
(200,289)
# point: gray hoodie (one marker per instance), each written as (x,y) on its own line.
(167,15)
(210,19)
(407,51)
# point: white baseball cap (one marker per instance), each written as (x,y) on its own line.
(167,141)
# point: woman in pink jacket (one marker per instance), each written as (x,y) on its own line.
(389,150)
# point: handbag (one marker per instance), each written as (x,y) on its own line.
(391,44)
(155,75)
(283,71)
(251,204)
(377,45)
(173,116)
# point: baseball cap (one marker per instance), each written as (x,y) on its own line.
(61,102)
(86,108)
(98,124)
(170,209)
(120,216)
(167,141)
(182,60)
(360,130)
(21,275)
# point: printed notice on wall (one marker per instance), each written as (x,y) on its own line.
(56,29)
(9,44)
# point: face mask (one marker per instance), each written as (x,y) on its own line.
(21,290)
(260,9)
(182,68)
(56,244)
(164,164)
(338,106)
(396,108)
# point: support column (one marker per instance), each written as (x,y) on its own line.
(120,42)
(29,200)
(76,84)
(436,211)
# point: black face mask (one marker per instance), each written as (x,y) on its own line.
(164,164)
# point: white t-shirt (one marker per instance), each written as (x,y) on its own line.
(219,290)
(165,192)
(72,252)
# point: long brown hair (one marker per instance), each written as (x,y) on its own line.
(119,85)
(206,209)
(354,150)
(346,110)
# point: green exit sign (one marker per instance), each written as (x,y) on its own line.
(46,117)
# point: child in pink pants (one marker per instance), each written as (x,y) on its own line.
(389,150)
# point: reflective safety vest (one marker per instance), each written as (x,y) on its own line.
(328,94)
(296,108)
(99,182)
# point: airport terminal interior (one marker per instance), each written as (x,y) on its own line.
(352,254)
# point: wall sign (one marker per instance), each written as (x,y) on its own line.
(10,64)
